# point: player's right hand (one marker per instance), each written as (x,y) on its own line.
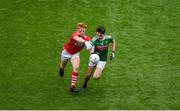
(88,45)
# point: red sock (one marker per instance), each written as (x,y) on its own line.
(74,79)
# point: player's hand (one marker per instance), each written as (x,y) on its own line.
(112,56)
(88,45)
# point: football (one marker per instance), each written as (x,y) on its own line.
(94,58)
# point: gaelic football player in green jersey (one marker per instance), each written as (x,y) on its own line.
(100,44)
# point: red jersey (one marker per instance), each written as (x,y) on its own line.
(73,46)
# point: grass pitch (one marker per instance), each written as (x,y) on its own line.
(144,75)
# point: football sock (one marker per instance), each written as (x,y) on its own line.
(74,79)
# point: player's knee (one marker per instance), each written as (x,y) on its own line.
(96,77)
(76,69)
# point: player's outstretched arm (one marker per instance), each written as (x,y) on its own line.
(113,45)
(79,39)
(113,49)
(92,50)
(87,43)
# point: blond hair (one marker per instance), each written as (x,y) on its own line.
(81,25)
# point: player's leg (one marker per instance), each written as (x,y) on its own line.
(97,73)
(99,68)
(75,61)
(64,59)
(91,67)
(87,76)
(63,63)
(62,66)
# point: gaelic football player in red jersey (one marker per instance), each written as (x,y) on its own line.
(71,52)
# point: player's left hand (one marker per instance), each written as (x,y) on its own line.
(112,56)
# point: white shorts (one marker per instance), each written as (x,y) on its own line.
(65,55)
(100,64)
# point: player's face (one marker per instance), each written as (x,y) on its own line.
(81,31)
(99,35)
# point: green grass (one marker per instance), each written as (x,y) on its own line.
(144,75)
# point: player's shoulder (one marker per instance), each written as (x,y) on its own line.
(75,34)
(108,37)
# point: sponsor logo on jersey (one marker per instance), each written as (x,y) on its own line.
(79,44)
(104,47)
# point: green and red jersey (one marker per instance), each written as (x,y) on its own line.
(101,46)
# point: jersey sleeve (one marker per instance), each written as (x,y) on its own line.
(88,38)
(109,38)
(73,35)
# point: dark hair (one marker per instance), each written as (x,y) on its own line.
(101,29)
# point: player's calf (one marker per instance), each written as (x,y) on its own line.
(84,87)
